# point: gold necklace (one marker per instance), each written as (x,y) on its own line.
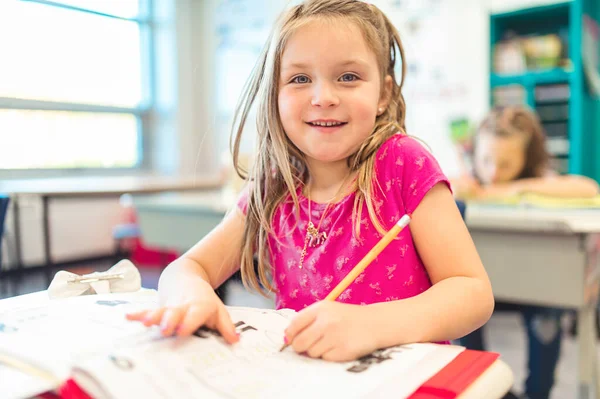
(314,237)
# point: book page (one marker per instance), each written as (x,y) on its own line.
(17,384)
(205,366)
(53,334)
(89,338)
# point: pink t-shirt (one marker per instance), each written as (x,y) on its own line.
(405,171)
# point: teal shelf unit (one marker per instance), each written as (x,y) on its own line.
(578,112)
(532,78)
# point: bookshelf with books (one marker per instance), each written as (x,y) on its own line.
(539,58)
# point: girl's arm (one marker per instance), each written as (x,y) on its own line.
(186,287)
(460,299)
(212,260)
(568,186)
(465,187)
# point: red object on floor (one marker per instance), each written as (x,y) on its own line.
(144,256)
(456,377)
(140,253)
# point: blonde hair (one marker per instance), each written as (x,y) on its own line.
(520,121)
(279,166)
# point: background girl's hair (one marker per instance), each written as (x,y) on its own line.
(509,121)
(279,166)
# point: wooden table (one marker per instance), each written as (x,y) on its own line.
(89,187)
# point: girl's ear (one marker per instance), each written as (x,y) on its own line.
(386,95)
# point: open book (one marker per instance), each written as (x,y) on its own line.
(542,201)
(89,340)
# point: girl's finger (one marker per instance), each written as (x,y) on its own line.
(138,316)
(171,319)
(154,317)
(225,326)
(302,320)
(319,348)
(334,355)
(304,340)
(195,317)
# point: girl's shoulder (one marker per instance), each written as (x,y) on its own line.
(402,141)
(401,146)
(407,164)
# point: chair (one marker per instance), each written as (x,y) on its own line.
(4,201)
(126,231)
(122,233)
(462,207)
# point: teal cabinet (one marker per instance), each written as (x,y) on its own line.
(526,66)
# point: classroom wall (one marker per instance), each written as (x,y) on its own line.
(187,136)
(445,47)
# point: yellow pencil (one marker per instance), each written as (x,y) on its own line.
(366,261)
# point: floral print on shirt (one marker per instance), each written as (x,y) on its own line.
(405,171)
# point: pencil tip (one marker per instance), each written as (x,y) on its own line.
(283,347)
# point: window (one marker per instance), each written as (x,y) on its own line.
(242,28)
(74,83)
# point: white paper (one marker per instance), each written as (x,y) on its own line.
(53,335)
(16,384)
(89,338)
(254,368)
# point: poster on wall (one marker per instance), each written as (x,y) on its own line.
(445,57)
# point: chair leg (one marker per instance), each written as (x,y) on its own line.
(118,253)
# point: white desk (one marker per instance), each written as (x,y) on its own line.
(493,383)
(179,220)
(90,187)
(545,257)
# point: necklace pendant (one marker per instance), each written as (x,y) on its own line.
(311,230)
(317,238)
(313,236)
(322,238)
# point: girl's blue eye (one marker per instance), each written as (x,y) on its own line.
(300,79)
(348,77)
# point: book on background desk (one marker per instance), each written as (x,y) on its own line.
(542,201)
(84,346)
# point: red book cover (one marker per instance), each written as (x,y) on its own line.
(456,376)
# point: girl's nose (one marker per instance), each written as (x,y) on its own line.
(324,96)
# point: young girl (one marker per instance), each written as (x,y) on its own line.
(510,157)
(334,171)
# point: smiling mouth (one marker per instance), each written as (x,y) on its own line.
(326,124)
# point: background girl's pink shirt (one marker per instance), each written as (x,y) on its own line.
(405,172)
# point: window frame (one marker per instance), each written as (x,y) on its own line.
(142,113)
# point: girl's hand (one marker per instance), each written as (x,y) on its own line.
(184,314)
(466,187)
(499,191)
(332,331)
